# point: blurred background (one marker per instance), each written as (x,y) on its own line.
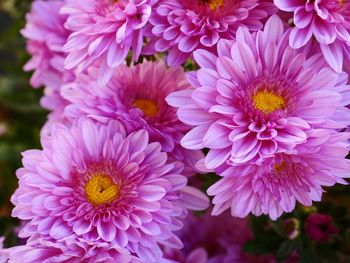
(21,118)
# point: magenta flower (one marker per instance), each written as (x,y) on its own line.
(275,186)
(217,240)
(136,97)
(181,26)
(72,249)
(103,185)
(258,98)
(104,32)
(327,20)
(319,227)
(46,36)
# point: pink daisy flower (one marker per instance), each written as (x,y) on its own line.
(103,185)
(181,26)
(71,249)
(278,183)
(258,97)
(46,36)
(327,20)
(136,96)
(105,31)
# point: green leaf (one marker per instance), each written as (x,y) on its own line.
(278,226)
(263,244)
(285,250)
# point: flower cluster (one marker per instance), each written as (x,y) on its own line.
(327,21)
(265,108)
(272,118)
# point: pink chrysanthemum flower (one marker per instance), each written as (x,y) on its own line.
(103,185)
(217,240)
(182,26)
(279,182)
(104,31)
(46,37)
(136,96)
(258,97)
(327,20)
(68,250)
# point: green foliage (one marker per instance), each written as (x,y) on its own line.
(274,238)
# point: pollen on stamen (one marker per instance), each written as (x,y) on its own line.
(267,102)
(280,167)
(149,107)
(100,189)
(213,4)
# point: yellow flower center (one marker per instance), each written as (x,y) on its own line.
(149,107)
(268,102)
(213,4)
(280,167)
(341,3)
(100,189)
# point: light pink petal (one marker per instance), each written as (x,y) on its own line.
(205,59)
(194,199)
(324,31)
(151,192)
(216,157)
(274,29)
(245,59)
(228,69)
(217,137)
(180,98)
(195,116)
(333,54)
(302,18)
(299,37)
(60,230)
(106,230)
(194,138)
(289,5)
